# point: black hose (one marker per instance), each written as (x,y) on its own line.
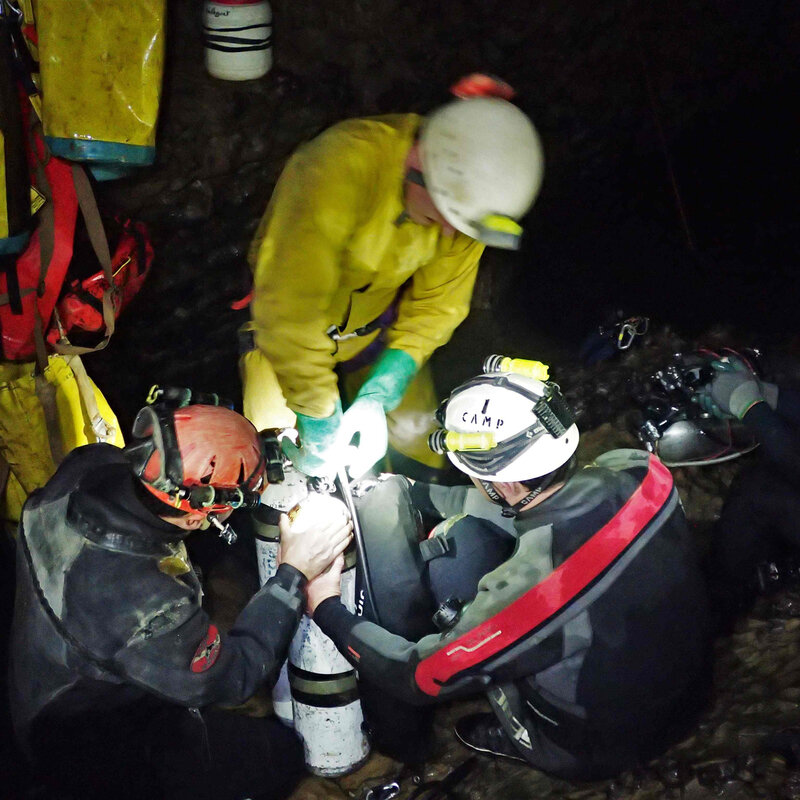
(343,485)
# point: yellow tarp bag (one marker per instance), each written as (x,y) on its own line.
(101,63)
(83,415)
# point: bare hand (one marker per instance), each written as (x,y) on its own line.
(326,584)
(320,532)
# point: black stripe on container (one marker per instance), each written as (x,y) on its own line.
(319,677)
(222,49)
(326,700)
(236,39)
(243,28)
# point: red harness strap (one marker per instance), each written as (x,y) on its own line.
(549,596)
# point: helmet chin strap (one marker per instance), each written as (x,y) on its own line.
(515,509)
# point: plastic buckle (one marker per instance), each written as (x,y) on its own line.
(434,547)
(448,613)
(333,332)
(102,430)
(554,414)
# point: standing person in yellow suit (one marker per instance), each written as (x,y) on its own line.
(367,254)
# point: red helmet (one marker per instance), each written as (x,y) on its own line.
(198,458)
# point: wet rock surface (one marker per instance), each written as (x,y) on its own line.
(600,80)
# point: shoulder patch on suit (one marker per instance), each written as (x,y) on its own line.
(207,653)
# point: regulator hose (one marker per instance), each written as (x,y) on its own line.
(343,485)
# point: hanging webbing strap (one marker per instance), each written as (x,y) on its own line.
(99,241)
(46,392)
(103,431)
(46,224)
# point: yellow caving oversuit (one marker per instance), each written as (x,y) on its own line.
(334,251)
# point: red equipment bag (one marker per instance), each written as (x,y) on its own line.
(80,308)
(32,285)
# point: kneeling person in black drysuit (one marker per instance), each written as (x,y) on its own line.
(112,655)
(758,532)
(572,599)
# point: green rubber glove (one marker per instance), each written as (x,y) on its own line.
(382,391)
(734,390)
(388,379)
(318,453)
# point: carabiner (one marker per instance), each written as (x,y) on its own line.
(17,12)
(386,792)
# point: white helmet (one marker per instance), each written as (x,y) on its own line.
(482,162)
(533,429)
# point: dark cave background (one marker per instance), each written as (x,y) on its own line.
(670,131)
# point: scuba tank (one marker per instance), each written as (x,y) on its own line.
(327,710)
(316,692)
(280,497)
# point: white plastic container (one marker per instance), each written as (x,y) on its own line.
(238,39)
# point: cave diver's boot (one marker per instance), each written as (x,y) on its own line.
(484,734)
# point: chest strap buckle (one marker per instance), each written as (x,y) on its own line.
(434,547)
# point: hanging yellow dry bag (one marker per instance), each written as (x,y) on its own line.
(101,64)
(81,413)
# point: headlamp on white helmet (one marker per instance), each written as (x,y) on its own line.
(528,430)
